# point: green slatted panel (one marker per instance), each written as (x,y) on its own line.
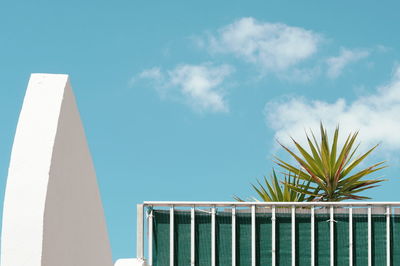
(322,240)
(395,239)
(243,239)
(378,239)
(224,239)
(182,237)
(283,239)
(341,233)
(203,239)
(303,239)
(263,241)
(360,239)
(161,238)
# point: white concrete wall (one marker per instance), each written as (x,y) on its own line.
(53,214)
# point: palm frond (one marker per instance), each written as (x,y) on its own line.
(330,169)
(287,189)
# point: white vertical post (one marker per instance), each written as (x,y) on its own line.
(332,237)
(369,236)
(293,235)
(312,236)
(139,232)
(388,236)
(273,244)
(192,237)
(233,236)
(150,238)
(351,236)
(253,235)
(213,236)
(171,236)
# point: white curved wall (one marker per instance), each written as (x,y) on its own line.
(53,214)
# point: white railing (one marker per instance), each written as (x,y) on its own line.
(253,209)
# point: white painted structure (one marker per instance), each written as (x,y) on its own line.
(53,215)
(130,262)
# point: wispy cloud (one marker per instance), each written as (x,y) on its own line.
(152,73)
(199,86)
(376,116)
(273,46)
(336,64)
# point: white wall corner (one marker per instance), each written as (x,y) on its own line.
(130,262)
(53,213)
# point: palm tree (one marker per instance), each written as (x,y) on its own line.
(276,191)
(331,170)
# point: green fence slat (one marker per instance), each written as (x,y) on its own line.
(395,239)
(182,222)
(161,238)
(224,239)
(378,239)
(341,233)
(360,239)
(243,239)
(203,239)
(263,239)
(322,240)
(303,239)
(283,239)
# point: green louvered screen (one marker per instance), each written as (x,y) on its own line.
(360,238)
(263,244)
(202,239)
(322,240)
(378,239)
(395,239)
(303,239)
(283,239)
(161,238)
(224,239)
(263,226)
(341,233)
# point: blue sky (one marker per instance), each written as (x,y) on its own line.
(183,100)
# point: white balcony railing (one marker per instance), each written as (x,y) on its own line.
(332,208)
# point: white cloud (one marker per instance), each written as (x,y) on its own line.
(273,46)
(346,56)
(377,116)
(199,86)
(152,73)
